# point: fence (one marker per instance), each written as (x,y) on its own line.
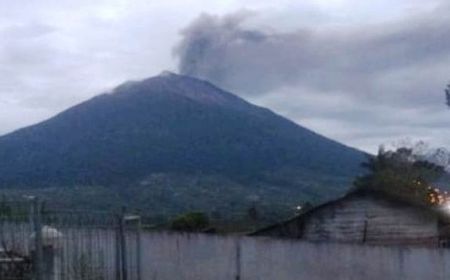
(41,244)
(47,244)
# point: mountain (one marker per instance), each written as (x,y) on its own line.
(173,126)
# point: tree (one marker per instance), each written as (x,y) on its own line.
(192,221)
(253,213)
(402,174)
(447,95)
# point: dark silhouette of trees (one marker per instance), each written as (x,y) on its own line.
(253,213)
(447,94)
(401,174)
(191,222)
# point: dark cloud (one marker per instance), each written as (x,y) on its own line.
(364,85)
(358,61)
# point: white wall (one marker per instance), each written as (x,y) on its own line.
(196,257)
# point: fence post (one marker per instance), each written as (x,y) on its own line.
(238,259)
(38,245)
(118,248)
(138,248)
(123,246)
(136,226)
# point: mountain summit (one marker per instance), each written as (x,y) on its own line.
(169,83)
(174,124)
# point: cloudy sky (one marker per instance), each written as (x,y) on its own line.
(362,72)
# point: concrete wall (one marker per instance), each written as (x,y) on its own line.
(197,257)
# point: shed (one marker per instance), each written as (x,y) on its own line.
(367,217)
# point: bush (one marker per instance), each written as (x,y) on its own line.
(192,221)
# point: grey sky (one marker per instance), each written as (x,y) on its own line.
(362,72)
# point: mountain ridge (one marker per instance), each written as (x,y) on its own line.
(174,124)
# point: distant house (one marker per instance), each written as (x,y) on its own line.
(367,217)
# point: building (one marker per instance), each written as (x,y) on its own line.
(367,217)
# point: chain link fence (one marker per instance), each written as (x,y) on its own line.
(37,243)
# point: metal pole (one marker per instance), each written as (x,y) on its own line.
(138,248)
(123,245)
(136,224)
(38,250)
(118,249)
(238,259)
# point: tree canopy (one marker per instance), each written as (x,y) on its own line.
(447,94)
(191,221)
(402,174)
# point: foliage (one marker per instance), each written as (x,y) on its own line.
(253,213)
(447,94)
(192,221)
(16,210)
(162,197)
(401,174)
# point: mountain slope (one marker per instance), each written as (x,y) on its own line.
(172,124)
